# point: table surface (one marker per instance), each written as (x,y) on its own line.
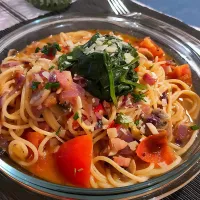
(182,9)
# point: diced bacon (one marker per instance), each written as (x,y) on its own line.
(182,134)
(146,109)
(121,161)
(112,132)
(37,111)
(50,100)
(65,79)
(10,64)
(118,144)
(19,79)
(149,79)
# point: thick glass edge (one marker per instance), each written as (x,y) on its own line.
(38,24)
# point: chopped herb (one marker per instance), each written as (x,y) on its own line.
(195,127)
(35,85)
(138,97)
(76,116)
(37,49)
(58,131)
(137,122)
(123,119)
(51,49)
(50,68)
(49,85)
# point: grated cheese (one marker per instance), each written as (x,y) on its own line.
(128,57)
(112,132)
(133,145)
(112,48)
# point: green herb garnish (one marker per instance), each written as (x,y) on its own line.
(49,85)
(52,67)
(35,85)
(51,49)
(137,122)
(76,116)
(37,49)
(195,127)
(138,97)
(123,119)
(58,131)
(108,73)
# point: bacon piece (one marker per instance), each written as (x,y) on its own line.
(149,79)
(118,144)
(65,79)
(122,161)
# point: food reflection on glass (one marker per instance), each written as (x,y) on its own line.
(96,109)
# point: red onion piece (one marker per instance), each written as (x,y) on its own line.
(80,81)
(149,79)
(126,152)
(19,80)
(182,134)
(52,78)
(125,134)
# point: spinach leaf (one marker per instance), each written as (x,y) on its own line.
(138,97)
(102,62)
(51,49)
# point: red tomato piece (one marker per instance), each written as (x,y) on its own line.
(34,137)
(74,160)
(98,108)
(152,47)
(114,125)
(49,57)
(154,149)
(182,73)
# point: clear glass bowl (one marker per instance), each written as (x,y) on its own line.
(180,45)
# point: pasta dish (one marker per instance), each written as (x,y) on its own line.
(96,109)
